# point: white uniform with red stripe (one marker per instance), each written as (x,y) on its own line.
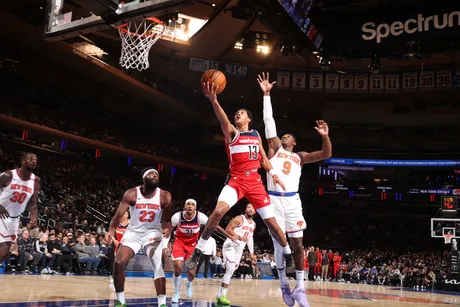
(286,204)
(232,251)
(14,198)
(145,222)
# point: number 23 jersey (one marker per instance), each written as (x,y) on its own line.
(146,213)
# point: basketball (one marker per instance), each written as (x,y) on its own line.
(216,76)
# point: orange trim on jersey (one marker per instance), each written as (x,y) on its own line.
(296,230)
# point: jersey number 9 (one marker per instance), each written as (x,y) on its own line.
(286,167)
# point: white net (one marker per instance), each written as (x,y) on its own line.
(136,40)
(447,238)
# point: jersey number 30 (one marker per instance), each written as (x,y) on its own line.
(143,218)
(18,197)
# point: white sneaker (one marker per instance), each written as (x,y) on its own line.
(175,298)
(44,271)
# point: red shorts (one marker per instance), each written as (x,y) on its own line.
(182,251)
(250,187)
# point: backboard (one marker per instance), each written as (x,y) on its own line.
(70,18)
(442,226)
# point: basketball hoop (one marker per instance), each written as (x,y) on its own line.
(447,238)
(136,40)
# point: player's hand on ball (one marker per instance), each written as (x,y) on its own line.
(264,82)
(322,127)
(277,180)
(3,213)
(210,90)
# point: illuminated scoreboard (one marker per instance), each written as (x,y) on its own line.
(449,206)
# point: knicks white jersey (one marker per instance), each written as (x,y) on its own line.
(146,213)
(245,229)
(288,168)
(16,195)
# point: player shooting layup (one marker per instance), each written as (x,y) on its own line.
(246,155)
(18,188)
(242,226)
(287,204)
(148,206)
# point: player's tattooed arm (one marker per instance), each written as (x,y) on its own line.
(129,199)
(5,180)
(227,128)
(166,200)
(33,203)
(326,150)
(230,229)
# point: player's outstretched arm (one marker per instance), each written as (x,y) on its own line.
(227,128)
(325,152)
(33,203)
(267,166)
(274,142)
(166,200)
(129,198)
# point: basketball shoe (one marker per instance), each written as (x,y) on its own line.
(287,295)
(189,288)
(300,296)
(193,260)
(119,304)
(223,301)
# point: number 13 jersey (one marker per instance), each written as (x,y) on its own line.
(146,213)
(289,170)
(243,152)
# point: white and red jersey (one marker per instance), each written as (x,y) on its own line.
(245,229)
(16,195)
(288,168)
(146,213)
(244,152)
(120,231)
(188,230)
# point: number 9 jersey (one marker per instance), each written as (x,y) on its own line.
(289,170)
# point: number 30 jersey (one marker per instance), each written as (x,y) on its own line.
(16,195)
(146,213)
(243,152)
(188,230)
(288,168)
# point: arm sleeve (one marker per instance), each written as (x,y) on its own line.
(202,218)
(251,245)
(269,121)
(165,242)
(175,219)
(214,248)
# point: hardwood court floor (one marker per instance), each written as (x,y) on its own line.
(35,290)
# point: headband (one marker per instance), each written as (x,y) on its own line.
(148,171)
(191,200)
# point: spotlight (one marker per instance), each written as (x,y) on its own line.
(375,66)
(239,45)
(263,49)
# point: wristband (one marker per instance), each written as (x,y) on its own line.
(272,172)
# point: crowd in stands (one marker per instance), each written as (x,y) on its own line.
(57,109)
(70,236)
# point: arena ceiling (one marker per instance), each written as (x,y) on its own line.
(216,41)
